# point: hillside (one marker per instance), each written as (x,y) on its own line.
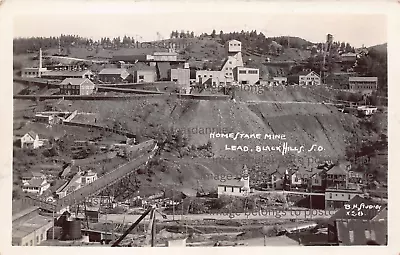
(303,124)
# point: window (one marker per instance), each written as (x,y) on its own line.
(37,239)
(367,234)
(205,75)
(232,189)
(175,80)
(141,76)
(253,71)
(230,62)
(349,196)
(330,195)
(242,71)
(225,188)
(31,243)
(199,75)
(226,68)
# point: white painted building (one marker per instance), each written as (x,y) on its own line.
(236,187)
(31,140)
(35,186)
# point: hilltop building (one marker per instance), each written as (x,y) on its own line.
(232,71)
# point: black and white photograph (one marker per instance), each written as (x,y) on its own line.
(200,129)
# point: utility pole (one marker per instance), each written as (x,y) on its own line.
(54,219)
(173,206)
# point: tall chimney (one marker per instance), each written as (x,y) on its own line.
(40,59)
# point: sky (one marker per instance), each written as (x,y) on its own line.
(357,29)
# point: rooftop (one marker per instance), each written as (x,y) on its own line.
(30,226)
(113,71)
(35,182)
(73,81)
(362,232)
(66,73)
(363,78)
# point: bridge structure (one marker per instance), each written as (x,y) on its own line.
(80,196)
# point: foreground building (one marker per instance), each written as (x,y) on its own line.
(236,187)
(77,86)
(359,222)
(29,228)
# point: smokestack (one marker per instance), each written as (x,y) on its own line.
(40,58)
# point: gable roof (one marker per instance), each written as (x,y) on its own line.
(73,81)
(358,208)
(32,134)
(35,182)
(231,183)
(338,169)
(302,73)
(119,71)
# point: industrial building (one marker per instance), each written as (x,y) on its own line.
(113,75)
(232,70)
(61,75)
(364,85)
(29,228)
(76,86)
(34,72)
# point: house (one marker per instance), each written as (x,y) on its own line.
(31,140)
(88,177)
(76,86)
(235,187)
(364,85)
(349,57)
(336,198)
(358,221)
(276,179)
(61,75)
(26,177)
(366,111)
(113,75)
(36,186)
(305,78)
(337,176)
(144,74)
(279,80)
